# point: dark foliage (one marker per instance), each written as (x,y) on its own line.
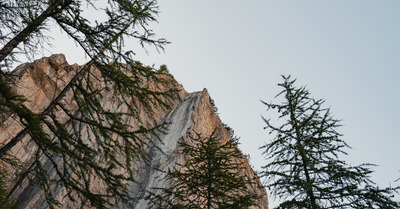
(305,170)
(209,178)
(5,201)
(66,156)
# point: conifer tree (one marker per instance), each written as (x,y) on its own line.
(5,202)
(304,168)
(62,145)
(209,178)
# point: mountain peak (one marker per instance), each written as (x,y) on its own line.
(41,81)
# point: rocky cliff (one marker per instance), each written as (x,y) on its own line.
(41,81)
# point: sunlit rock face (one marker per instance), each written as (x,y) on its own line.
(41,81)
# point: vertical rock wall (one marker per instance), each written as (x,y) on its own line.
(190,113)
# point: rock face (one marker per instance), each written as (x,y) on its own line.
(41,81)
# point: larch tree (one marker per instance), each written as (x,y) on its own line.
(75,161)
(304,168)
(5,202)
(209,178)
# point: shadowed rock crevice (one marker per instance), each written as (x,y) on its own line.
(189,113)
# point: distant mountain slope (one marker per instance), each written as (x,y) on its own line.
(41,81)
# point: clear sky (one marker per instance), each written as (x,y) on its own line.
(345,51)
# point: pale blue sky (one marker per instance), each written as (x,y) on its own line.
(346,51)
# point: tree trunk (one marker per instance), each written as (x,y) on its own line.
(54,8)
(304,159)
(209,184)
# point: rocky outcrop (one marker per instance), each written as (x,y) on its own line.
(41,81)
